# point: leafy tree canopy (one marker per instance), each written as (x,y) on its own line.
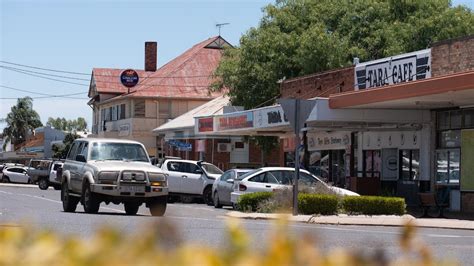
(78,124)
(60,151)
(21,120)
(298,37)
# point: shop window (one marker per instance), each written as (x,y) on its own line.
(289,159)
(443,120)
(447,166)
(410,165)
(164,109)
(122,111)
(139,108)
(239,145)
(469,118)
(449,139)
(372,163)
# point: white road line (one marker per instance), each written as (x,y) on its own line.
(9,193)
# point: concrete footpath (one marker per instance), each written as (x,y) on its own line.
(376,220)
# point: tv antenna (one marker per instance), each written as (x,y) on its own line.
(220,25)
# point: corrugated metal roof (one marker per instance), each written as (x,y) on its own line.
(186,76)
(186,120)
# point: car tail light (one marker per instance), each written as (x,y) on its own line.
(242,187)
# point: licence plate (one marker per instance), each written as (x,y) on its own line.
(132,189)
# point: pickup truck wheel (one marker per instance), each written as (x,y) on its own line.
(69,202)
(131,208)
(207,196)
(158,206)
(90,200)
(43,183)
(217,204)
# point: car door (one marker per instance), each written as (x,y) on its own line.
(173,170)
(73,167)
(17,175)
(193,179)
(262,182)
(224,188)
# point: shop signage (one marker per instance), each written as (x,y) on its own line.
(129,78)
(392,139)
(318,141)
(200,145)
(269,117)
(182,146)
(206,124)
(393,70)
(124,130)
(235,121)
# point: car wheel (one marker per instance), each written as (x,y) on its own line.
(158,206)
(234,206)
(131,208)
(43,184)
(207,196)
(69,202)
(90,200)
(6,179)
(29,181)
(217,204)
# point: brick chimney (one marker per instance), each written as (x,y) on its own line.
(150,56)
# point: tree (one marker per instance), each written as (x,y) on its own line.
(75,125)
(21,120)
(60,151)
(298,37)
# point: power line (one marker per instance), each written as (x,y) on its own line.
(46,97)
(58,80)
(41,73)
(89,74)
(39,93)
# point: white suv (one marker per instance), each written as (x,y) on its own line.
(112,171)
(191,178)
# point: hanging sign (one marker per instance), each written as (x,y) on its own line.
(205,124)
(129,78)
(318,141)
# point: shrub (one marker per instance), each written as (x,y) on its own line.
(250,201)
(372,205)
(317,204)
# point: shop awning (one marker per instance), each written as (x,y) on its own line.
(456,90)
(324,118)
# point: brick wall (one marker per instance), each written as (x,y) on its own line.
(319,84)
(451,56)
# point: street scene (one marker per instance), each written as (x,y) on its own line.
(237,133)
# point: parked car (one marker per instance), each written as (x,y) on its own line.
(274,178)
(112,171)
(16,174)
(191,178)
(224,185)
(45,173)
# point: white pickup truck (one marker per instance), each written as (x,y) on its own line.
(46,173)
(112,171)
(187,178)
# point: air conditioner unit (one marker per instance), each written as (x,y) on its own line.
(223,147)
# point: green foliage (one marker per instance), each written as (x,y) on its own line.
(373,205)
(298,37)
(250,201)
(317,204)
(21,120)
(60,151)
(78,124)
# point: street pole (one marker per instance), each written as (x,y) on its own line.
(297,162)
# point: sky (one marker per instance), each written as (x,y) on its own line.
(78,35)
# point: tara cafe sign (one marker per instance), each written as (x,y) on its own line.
(393,70)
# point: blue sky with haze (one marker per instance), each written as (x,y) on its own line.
(80,35)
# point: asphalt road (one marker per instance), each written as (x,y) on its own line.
(204,225)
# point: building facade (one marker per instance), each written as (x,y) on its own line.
(160,95)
